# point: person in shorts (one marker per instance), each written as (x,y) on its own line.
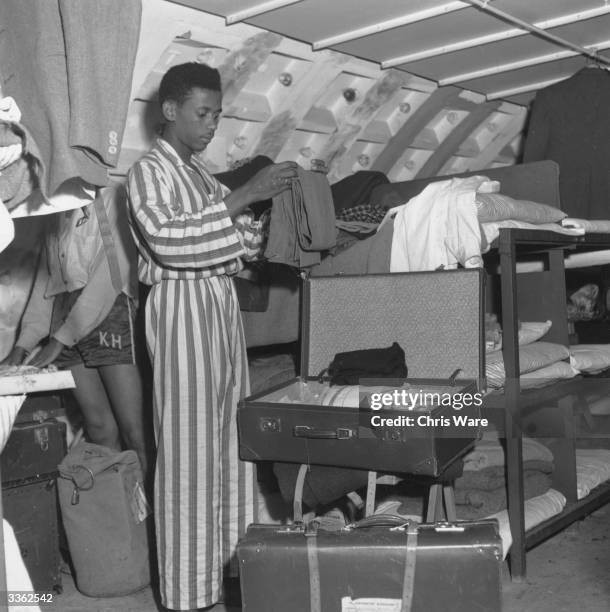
(82,309)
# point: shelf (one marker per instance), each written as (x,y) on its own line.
(549,412)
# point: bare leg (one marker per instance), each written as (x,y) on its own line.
(124,387)
(92,399)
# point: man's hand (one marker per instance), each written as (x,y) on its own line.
(15,357)
(48,354)
(272,180)
(266,183)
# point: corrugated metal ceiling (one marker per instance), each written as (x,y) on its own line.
(460,43)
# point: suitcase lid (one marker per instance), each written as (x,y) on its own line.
(436,317)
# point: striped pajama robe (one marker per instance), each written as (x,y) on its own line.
(189,248)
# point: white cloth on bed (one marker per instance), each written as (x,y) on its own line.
(491,230)
(593,226)
(438,228)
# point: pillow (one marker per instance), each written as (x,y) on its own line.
(530,331)
(547,376)
(590,358)
(499,207)
(531,357)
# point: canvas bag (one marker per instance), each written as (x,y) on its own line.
(104,513)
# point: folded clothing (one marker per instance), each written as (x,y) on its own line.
(356,189)
(478,503)
(531,357)
(494,476)
(302,222)
(350,367)
(368,213)
(592,468)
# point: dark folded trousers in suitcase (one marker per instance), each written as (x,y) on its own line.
(381,564)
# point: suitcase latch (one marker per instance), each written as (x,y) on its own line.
(270,424)
(449,527)
(41,435)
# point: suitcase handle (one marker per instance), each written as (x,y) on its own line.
(305,431)
(381,520)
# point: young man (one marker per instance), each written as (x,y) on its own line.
(186,227)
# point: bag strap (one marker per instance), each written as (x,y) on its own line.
(315,598)
(371,490)
(408,583)
(108,240)
(297,508)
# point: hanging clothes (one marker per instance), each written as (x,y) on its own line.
(570,124)
(68,64)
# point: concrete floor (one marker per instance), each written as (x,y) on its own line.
(569,572)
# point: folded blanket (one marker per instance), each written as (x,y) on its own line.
(494,476)
(531,357)
(488,452)
(600,226)
(537,510)
(477,503)
(492,230)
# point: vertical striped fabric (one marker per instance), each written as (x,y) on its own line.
(180,222)
(204,495)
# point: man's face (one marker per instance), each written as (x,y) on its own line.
(196,119)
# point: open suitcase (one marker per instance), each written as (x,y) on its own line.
(436,317)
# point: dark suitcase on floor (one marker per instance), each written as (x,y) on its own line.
(380,568)
(436,317)
(28,465)
(31,510)
(33,450)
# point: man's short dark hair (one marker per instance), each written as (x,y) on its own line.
(181,79)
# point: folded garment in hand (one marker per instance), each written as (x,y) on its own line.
(350,367)
(302,222)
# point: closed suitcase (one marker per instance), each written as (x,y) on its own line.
(381,564)
(31,510)
(33,451)
(299,431)
(436,317)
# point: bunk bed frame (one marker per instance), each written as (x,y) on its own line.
(548,413)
